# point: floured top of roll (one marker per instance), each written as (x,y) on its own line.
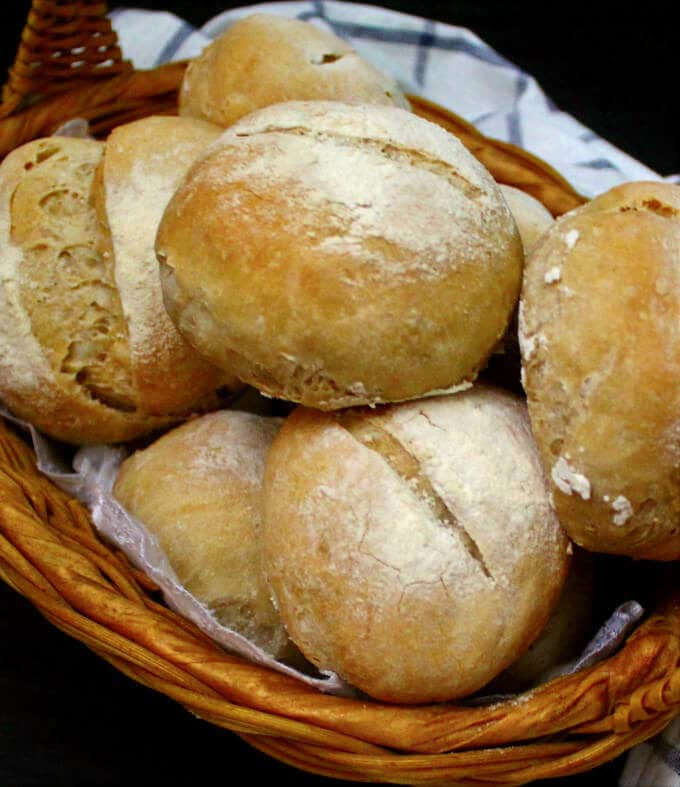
(335,254)
(412,548)
(266,59)
(599,330)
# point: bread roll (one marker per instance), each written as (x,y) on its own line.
(531,216)
(337,255)
(564,637)
(142,166)
(198,489)
(412,549)
(88,352)
(600,337)
(64,355)
(265,59)
(532,220)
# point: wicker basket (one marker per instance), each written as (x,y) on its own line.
(50,553)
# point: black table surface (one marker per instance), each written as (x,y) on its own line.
(66,716)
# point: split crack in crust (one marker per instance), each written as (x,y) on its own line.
(389,150)
(653,206)
(409,469)
(58,236)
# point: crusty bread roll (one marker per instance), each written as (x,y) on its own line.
(532,219)
(64,356)
(199,490)
(412,549)
(564,636)
(600,337)
(531,216)
(265,59)
(88,352)
(142,166)
(336,255)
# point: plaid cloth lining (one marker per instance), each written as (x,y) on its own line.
(453,67)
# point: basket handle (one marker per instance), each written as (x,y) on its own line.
(62,44)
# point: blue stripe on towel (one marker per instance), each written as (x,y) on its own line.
(484,116)
(456,43)
(424,45)
(597,163)
(178,38)
(521,86)
(514,128)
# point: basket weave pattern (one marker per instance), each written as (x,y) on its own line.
(50,553)
(62,43)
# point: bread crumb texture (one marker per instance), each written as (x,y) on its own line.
(601,364)
(64,345)
(412,548)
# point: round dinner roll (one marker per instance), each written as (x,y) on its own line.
(600,339)
(338,255)
(412,548)
(143,163)
(562,639)
(198,489)
(531,216)
(265,59)
(65,362)
(88,352)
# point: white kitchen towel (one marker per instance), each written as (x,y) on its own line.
(655,763)
(455,68)
(446,64)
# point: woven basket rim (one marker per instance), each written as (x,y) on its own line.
(50,553)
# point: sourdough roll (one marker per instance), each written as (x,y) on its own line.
(412,548)
(199,490)
(564,636)
(531,216)
(88,352)
(265,59)
(142,166)
(532,219)
(65,360)
(336,255)
(600,339)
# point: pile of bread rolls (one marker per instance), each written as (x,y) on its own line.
(298,230)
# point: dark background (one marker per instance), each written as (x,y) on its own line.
(68,717)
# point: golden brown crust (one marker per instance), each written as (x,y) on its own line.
(564,636)
(88,352)
(64,362)
(412,548)
(265,59)
(337,255)
(142,165)
(600,337)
